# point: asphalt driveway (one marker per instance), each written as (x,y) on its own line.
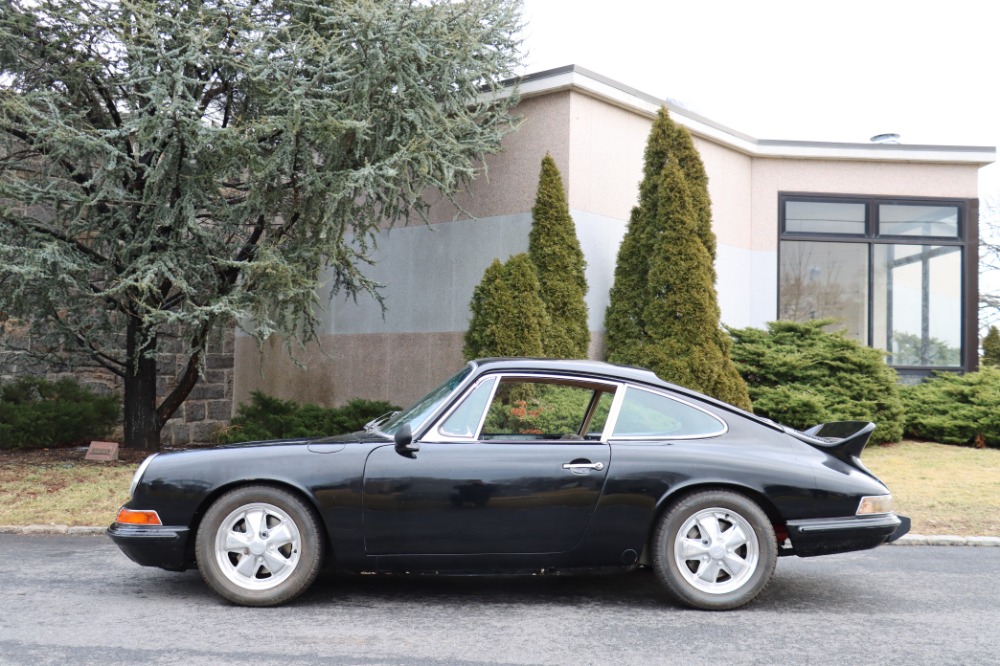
(77,599)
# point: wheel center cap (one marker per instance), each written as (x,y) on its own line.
(716,552)
(258,547)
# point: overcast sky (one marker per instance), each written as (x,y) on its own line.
(777,69)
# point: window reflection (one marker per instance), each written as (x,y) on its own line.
(918,220)
(918,304)
(825,280)
(824,217)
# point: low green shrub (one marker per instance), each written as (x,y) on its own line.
(800,374)
(37,413)
(956,409)
(266,417)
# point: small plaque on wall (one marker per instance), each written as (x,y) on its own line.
(102,451)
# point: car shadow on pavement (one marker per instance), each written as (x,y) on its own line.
(799,590)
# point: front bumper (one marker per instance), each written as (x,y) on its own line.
(153,546)
(826,536)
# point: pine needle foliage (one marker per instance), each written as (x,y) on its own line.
(801,375)
(36,412)
(508,315)
(266,417)
(663,312)
(956,408)
(180,165)
(991,347)
(555,251)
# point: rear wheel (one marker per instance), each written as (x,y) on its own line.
(714,550)
(259,546)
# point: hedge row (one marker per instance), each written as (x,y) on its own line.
(266,417)
(38,413)
(800,375)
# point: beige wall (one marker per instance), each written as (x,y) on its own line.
(730,176)
(605,157)
(771,176)
(511,180)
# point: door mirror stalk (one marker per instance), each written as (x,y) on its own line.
(405,446)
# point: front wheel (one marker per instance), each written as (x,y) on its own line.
(259,546)
(714,550)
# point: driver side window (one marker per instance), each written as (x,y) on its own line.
(531,409)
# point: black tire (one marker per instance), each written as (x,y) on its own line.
(259,546)
(714,550)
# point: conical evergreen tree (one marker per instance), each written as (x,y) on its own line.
(991,347)
(555,250)
(508,315)
(663,312)
(682,150)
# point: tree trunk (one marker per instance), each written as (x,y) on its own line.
(142,427)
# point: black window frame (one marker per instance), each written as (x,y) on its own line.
(967,239)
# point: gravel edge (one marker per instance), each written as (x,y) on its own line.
(906,540)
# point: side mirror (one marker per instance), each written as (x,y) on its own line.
(405,446)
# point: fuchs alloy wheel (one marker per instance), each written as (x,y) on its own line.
(714,550)
(259,546)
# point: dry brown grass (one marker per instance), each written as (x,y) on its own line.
(944,489)
(61,492)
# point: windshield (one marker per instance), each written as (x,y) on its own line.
(425,407)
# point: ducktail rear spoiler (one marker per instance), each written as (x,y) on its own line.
(844,440)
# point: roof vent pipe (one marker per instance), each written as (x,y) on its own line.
(885,138)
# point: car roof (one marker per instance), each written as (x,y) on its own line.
(581,367)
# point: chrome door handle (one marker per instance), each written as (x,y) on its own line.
(572,466)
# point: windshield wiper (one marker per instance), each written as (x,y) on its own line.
(373,425)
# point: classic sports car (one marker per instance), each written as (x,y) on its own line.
(518,465)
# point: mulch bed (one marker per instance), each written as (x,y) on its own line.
(72,454)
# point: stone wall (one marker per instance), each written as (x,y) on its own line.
(208,407)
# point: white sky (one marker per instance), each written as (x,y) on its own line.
(778,69)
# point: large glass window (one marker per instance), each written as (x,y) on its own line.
(820,280)
(888,271)
(918,304)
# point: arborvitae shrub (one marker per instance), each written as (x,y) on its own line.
(36,412)
(956,409)
(266,417)
(555,251)
(663,310)
(991,347)
(508,315)
(801,375)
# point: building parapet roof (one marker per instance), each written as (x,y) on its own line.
(579,79)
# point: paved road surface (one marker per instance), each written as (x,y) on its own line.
(77,600)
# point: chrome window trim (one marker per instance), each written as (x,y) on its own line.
(582,382)
(647,438)
(448,437)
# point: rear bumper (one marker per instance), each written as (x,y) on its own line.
(153,546)
(825,536)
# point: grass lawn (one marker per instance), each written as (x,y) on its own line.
(944,489)
(37,490)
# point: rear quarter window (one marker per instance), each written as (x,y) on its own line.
(645,415)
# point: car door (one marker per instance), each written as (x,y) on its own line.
(517,466)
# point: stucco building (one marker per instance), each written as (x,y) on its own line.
(881,236)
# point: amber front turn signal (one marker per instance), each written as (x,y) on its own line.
(132,517)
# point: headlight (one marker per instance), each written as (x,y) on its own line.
(138,475)
(875,504)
